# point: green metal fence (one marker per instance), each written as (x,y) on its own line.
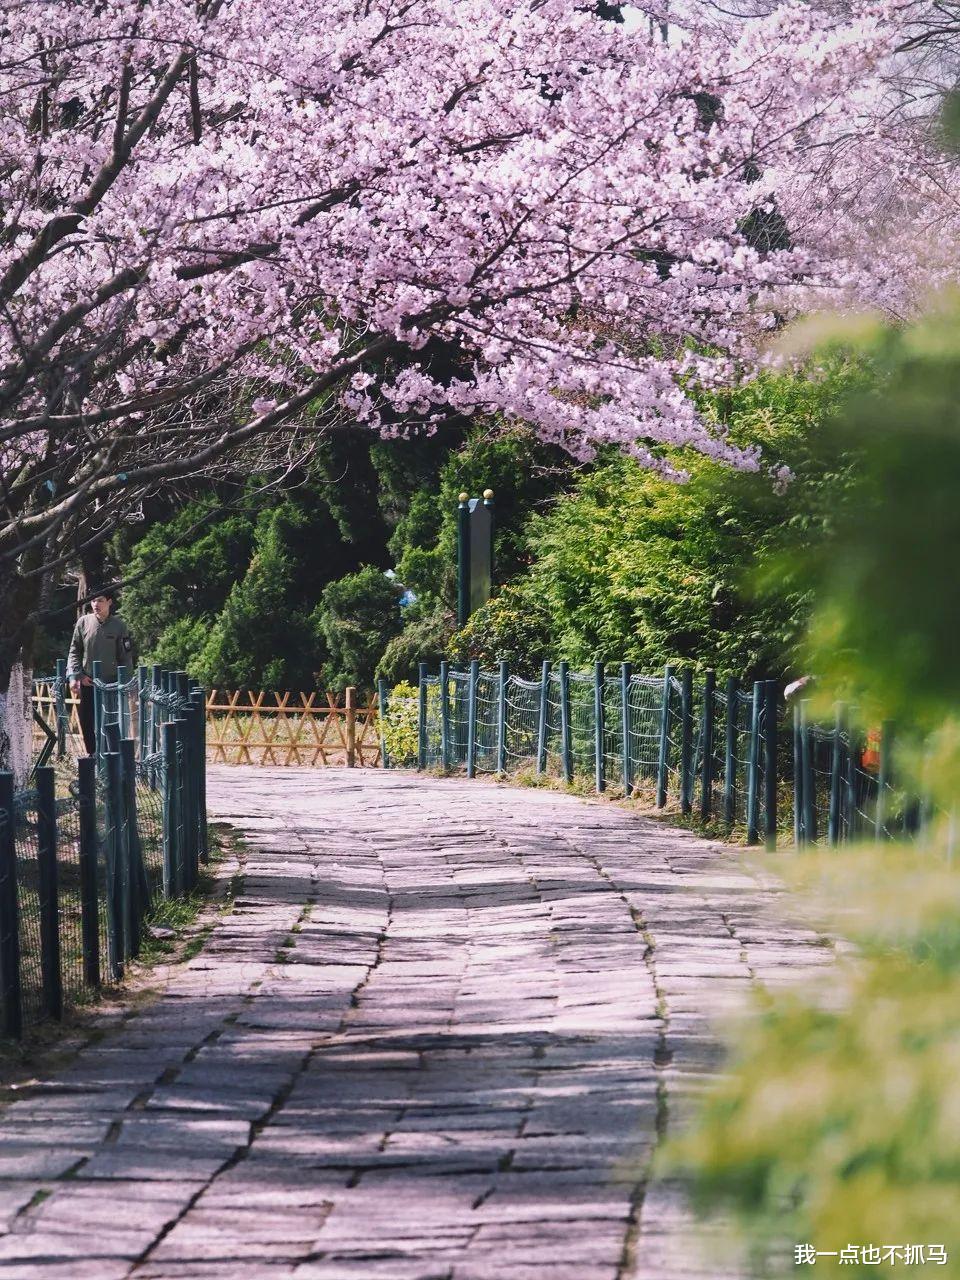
(729,755)
(87,852)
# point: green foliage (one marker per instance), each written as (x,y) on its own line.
(406,468)
(351,492)
(841,1125)
(889,616)
(234,592)
(356,617)
(228,591)
(399,725)
(182,571)
(513,626)
(260,639)
(626,566)
(950,120)
(633,566)
(424,638)
(523,474)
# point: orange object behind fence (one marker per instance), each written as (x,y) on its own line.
(870,756)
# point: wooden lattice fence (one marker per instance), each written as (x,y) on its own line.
(316,729)
(261,727)
(45,706)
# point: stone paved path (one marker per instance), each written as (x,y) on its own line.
(438,1039)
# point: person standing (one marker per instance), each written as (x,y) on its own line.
(99,636)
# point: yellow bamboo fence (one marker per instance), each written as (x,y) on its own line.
(45,705)
(262,727)
(314,729)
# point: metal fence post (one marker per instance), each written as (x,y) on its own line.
(753,790)
(9,914)
(798,829)
(96,669)
(706,769)
(116,894)
(382,698)
(566,744)
(504,678)
(168,739)
(200,702)
(138,897)
(472,719)
(883,779)
(128,885)
(421,715)
(445,714)
(626,742)
(123,701)
(809,782)
(836,778)
(599,763)
(850,782)
(48,893)
(191,853)
(183,800)
(61,705)
(770,708)
(543,718)
(143,739)
(89,905)
(187,780)
(181,846)
(686,740)
(730,753)
(663,756)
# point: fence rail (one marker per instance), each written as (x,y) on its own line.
(317,729)
(96,841)
(733,756)
(248,727)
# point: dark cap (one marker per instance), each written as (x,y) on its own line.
(109,593)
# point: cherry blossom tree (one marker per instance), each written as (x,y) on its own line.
(228,225)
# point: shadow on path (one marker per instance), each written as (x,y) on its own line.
(439,1038)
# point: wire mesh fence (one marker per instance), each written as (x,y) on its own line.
(733,757)
(522,722)
(97,838)
(485,740)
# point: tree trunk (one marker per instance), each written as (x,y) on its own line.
(16,723)
(16,675)
(92,572)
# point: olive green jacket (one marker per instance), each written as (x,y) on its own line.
(109,643)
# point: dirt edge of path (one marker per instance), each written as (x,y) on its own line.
(52,1046)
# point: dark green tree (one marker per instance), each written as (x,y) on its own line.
(226,587)
(356,618)
(262,637)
